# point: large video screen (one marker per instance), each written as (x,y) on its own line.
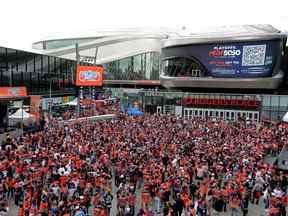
(250,60)
(236,59)
(89,76)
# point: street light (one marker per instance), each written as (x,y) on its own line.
(50,93)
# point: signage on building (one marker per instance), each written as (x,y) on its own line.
(245,59)
(89,76)
(221,102)
(13,92)
(35,101)
(251,60)
(88,59)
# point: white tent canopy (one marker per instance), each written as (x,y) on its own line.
(21,114)
(285,117)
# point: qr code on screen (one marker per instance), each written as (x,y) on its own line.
(253,55)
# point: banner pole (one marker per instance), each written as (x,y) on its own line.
(78,63)
(94,88)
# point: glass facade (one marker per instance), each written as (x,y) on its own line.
(274,106)
(37,72)
(182,67)
(139,67)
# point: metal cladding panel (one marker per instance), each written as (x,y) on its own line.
(223,83)
(246,59)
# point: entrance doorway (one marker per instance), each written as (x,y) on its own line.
(229,115)
(159,109)
(169,109)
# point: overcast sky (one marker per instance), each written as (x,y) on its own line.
(26,21)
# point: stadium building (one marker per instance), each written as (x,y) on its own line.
(231,72)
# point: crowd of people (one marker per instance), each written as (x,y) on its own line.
(165,164)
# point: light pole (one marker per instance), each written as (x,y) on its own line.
(50,94)
(22,118)
(93,88)
(79,92)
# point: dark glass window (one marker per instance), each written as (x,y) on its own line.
(182,67)
(35,71)
(139,67)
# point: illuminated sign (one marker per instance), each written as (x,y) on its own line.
(249,60)
(10,92)
(221,102)
(89,76)
(217,52)
(237,59)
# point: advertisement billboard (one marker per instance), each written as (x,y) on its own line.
(89,76)
(232,59)
(241,59)
(12,92)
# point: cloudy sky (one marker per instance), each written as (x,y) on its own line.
(26,21)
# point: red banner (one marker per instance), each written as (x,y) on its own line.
(89,76)
(12,92)
(221,102)
(34,106)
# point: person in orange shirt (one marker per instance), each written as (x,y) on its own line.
(43,207)
(186,199)
(11,187)
(145,199)
(21,211)
(203,190)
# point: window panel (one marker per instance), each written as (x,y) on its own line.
(148,66)
(124,68)
(155,66)
(266,100)
(3,58)
(283,101)
(274,101)
(183,67)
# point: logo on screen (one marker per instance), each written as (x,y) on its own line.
(14,91)
(225,53)
(89,75)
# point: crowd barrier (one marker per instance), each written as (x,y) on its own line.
(14,133)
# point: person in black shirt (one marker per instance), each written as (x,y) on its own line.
(284,183)
(218,204)
(245,205)
(282,209)
(107,201)
(165,160)
(178,206)
(193,189)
